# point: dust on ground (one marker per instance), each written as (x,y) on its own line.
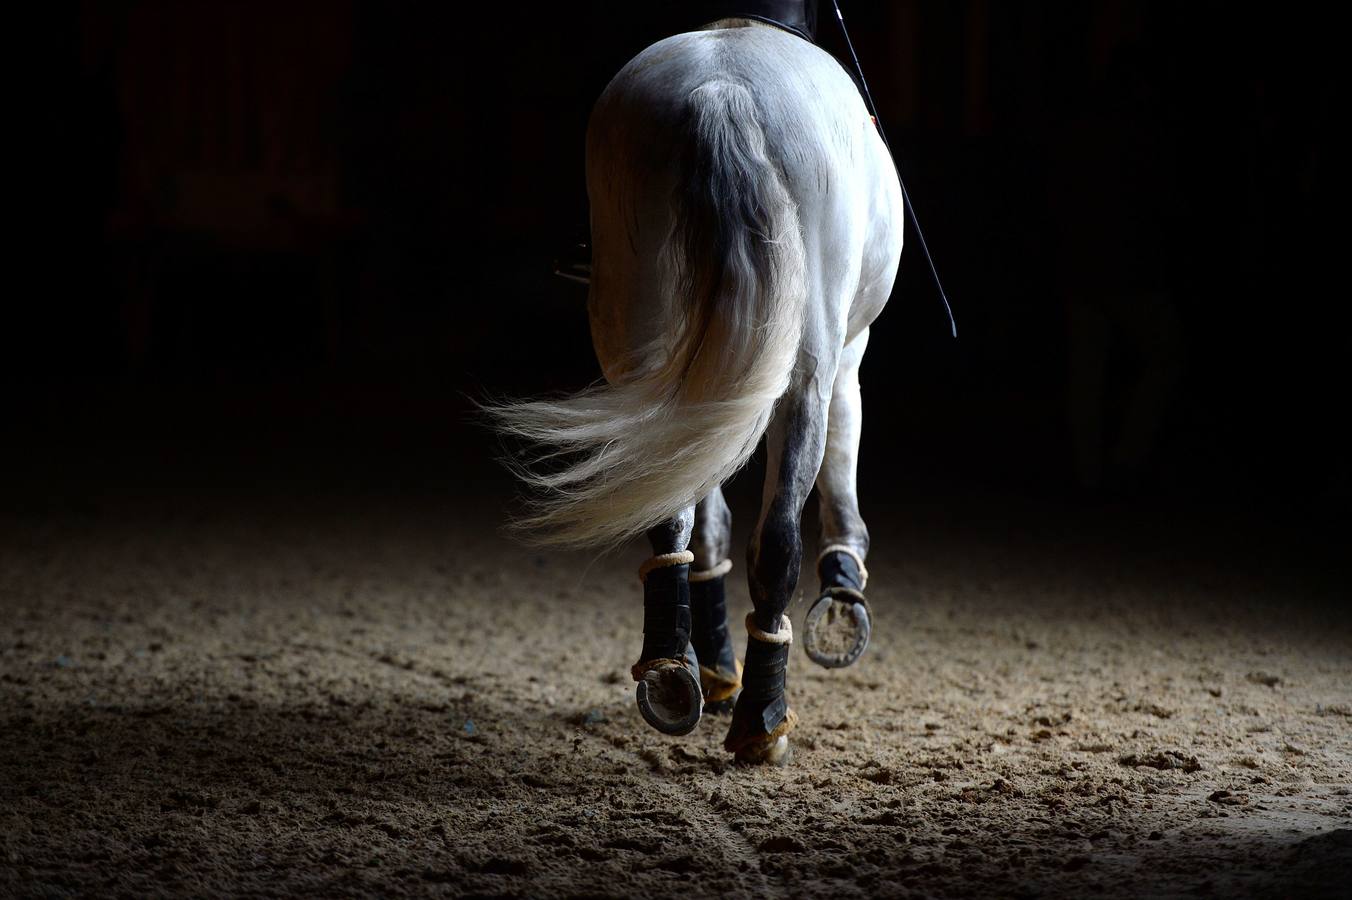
(394,700)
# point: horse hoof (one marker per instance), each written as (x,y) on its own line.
(836,631)
(669,698)
(752,746)
(777,751)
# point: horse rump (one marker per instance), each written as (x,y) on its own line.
(615,459)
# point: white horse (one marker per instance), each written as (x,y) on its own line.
(746,221)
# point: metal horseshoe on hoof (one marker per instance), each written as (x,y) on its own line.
(837,628)
(669,696)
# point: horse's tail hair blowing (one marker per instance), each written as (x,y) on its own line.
(617,459)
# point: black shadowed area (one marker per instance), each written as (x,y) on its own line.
(262,633)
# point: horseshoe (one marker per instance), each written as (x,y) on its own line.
(669,696)
(837,628)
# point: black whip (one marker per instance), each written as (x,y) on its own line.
(905,196)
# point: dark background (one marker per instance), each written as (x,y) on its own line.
(280,244)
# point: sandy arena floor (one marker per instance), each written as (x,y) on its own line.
(388,699)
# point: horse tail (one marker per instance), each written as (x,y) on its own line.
(620,458)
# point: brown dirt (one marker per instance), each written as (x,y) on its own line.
(394,701)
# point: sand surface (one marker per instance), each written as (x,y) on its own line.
(391,699)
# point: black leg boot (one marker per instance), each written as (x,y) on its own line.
(720,673)
(762,718)
(668,694)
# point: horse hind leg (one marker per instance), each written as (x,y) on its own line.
(837,626)
(668,693)
(762,718)
(719,670)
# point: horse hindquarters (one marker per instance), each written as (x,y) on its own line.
(707,202)
(734,295)
(850,206)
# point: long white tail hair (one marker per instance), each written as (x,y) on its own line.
(616,459)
